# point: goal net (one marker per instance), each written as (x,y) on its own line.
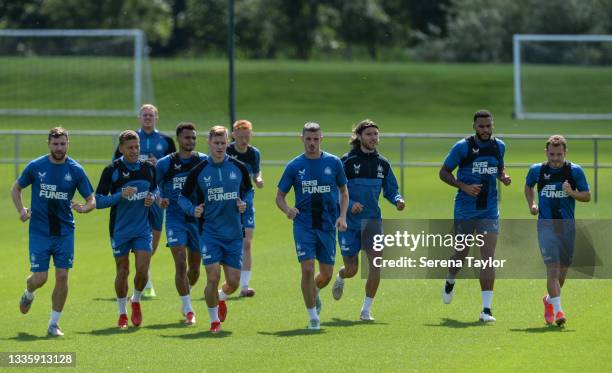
(563,77)
(74,72)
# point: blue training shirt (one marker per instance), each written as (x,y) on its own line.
(250,158)
(315,183)
(220,185)
(53,186)
(155,143)
(128,217)
(368,174)
(553,202)
(479,163)
(171,172)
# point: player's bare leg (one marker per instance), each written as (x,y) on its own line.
(371,286)
(449,286)
(122,265)
(231,284)
(194,258)
(211,295)
(348,270)
(247,262)
(181,282)
(309,292)
(149,291)
(58,300)
(34,281)
(487,276)
(142,259)
(555,278)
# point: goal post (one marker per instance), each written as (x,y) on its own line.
(72,72)
(562,77)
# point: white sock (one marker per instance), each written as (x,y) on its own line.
(222,295)
(367,304)
(339,279)
(556,302)
(55,316)
(245,278)
(136,296)
(487,298)
(122,303)
(186,300)
(213,313)
(312,313)
(29,295)
(149,284)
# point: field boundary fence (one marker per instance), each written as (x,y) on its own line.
(401,163)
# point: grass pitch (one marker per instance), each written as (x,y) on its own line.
(413,330)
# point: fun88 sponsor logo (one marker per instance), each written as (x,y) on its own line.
(49,191)
(312,187)
(550,191)
(217,194)
(178,182)
(483,168)
(137,196)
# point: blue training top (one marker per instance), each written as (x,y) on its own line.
(129,217)
(315,182)
(172,171)
(220,185)
(553,202)
(368,174)
(479,163)
(53,186)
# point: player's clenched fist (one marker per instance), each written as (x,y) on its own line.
(241,205)
(149,199)
(127,192)
(25,214)
(199,209)
(292,213)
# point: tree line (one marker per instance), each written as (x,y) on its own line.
(436,30)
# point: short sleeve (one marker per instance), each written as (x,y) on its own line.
(256,168)
(580,179)
(286,181)
(454,156)
(27,176)
(340,174)
(533,175)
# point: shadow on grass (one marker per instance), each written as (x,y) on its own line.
(293,332)
(200,334)
(456,324)
(104,299)
(111,331)
(27,337)
(180,324)
(544,329)
(346,323)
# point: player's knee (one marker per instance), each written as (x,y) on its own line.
(324,278)
(61,277)
(308,271)
(233,283)
(350,270)
(213,278)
